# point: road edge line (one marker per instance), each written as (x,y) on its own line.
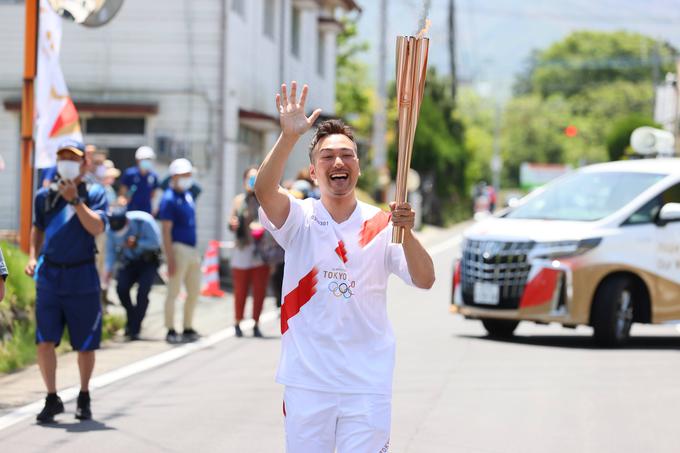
(70,393)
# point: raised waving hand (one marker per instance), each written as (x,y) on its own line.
(292,111)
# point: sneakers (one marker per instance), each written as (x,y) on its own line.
(256,332)
(190,335)
(83,411)
(53,406)
(173,337)
(237,331)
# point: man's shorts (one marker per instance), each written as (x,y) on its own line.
(81,313)
(320,422)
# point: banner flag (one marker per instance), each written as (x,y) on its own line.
(56,115)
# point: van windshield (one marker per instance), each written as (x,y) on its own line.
(585,196)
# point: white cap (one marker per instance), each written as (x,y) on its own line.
(144,152)
(180,166)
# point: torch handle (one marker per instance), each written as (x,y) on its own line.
(403,164)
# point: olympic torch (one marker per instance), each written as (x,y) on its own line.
(411,71)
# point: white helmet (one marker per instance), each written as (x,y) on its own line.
(180,166)
(144,152)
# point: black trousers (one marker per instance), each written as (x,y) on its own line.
(142,273)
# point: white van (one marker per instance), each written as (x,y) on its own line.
(599,246)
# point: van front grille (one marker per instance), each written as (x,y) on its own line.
(499,262)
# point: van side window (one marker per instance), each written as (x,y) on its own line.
(648,212)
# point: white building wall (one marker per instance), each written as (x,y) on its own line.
(163,52)
(11,73)
(167,52)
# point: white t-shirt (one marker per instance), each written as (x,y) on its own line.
(336,336)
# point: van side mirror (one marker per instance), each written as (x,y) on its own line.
(670,212)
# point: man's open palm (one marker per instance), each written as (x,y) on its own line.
(292,111)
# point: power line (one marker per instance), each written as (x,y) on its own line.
(561,17)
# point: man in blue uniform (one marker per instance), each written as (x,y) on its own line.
(177,214)
(134,243)
(3,276)
(138,184)
(68,215)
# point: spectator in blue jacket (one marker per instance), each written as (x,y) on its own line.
(177,214)
(134,245)
(3,276)
(138,184)
(67,217)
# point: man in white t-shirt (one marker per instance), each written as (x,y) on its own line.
(337,351)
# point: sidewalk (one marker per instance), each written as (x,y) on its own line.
(212,315)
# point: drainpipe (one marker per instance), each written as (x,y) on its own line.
(282,41)
(221,109)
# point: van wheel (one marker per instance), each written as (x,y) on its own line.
(612,315)
(500,328)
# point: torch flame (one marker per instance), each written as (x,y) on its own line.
(422,32)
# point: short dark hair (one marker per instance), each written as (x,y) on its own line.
(330,127)
(248,170)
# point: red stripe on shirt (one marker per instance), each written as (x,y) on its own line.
(341,251)
(299,296)
(372,227)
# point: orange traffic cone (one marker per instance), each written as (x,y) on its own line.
(211,271)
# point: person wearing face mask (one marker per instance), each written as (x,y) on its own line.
(177,214)
(111,173)
(95,171)
(249,267)
(139,183)
(67,217)
(98,166)
(134,246)
(95,166)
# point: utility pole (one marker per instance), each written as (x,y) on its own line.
(380,115)
(452,47)
(496,161)
(30,66)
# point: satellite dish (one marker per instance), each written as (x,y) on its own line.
(103,14)
(76,10)
(649,140)
(91,13)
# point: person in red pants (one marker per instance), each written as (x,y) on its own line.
(248,266)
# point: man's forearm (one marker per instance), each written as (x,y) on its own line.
(167,241)
(271,171)
(90,220)
(37,238)
(420,265)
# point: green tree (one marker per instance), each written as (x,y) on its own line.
(533,132)
(589,80)
(353,91)
(478,119)
(438,152)
(586,59)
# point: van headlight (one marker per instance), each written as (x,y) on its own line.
(562,249)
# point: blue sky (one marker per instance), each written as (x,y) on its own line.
(495,37)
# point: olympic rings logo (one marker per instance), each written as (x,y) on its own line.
(340,289)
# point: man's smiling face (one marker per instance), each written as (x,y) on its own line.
(335,166)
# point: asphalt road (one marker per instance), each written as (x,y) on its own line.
(548,390)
